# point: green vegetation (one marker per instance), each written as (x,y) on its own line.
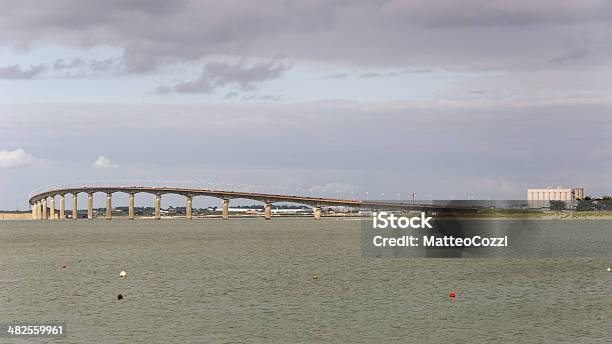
(507,213)
(558,205)
(594,204)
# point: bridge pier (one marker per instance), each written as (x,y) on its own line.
(157,207)
(90,206)
(62,214)
(52,208)
(226,209)
(268,211)
(109,206)
(131,206)
(75,209)
(189,208)
(34,211)
(39,214)
(316,212)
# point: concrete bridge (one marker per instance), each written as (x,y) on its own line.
(43,203)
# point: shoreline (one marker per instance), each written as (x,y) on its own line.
(564,216)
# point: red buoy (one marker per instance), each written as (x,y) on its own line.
(452,294)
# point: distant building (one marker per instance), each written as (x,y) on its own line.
(544,196)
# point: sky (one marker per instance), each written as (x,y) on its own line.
(357,99)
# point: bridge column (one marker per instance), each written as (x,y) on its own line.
(131,206)
(39,211)
(189,208)
(75,209)
(34,211)
(157,207)
(268,211)
(317,213)
(90,206)
(109,206)
(52,207)
(226,209)
(62,214)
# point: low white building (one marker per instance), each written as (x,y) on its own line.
(544,196)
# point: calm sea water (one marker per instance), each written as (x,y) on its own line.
(250,281)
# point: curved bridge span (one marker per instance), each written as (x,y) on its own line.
(43,203)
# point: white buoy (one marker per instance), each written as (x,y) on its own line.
(609,269)
(123,274)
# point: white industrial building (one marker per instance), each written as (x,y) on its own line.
(543,196)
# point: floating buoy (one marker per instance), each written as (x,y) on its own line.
(119,297)
(609,269)
(452,295)
(123,274)
(315,276)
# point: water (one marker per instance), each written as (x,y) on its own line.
(250,281)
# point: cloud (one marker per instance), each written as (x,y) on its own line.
(446,33)
(101,65)
(16,72)
(231,95)
(76,63)
(16,158)
(393,74)
(371,75)
(570,56)
(103,162)
(263,98)
(220,74)
(336,76)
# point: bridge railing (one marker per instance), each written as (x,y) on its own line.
(195,184)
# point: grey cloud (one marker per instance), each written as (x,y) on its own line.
(393,74)
(82,67)
(101,65)
(220,74)
(162,90)
(371,75)
(336,76)
(231,95)
(74,75)
(200,85)
(420,71)
(468,34)
(271,97)
(263,98)
(452,13)
(569,57)
(61,64)
(16,72)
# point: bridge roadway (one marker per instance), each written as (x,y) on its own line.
(43,203)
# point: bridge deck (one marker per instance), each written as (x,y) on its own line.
(261,197)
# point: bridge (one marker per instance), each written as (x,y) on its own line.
(43,203)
